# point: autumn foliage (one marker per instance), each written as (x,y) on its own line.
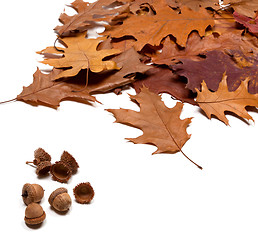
(200,52)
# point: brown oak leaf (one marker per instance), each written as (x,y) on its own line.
(211,69)
(129,64)
(150,7)
(195,4)
(45,91)
(161,125)
(224,23)
(152,29)
(244,7)
(123,44)
(162,80)
(79,54)
(217,103)
(196,45)
(88,13)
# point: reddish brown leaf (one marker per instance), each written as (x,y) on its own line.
(251,24)
(162,80)
(238,67)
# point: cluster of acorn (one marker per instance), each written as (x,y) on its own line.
(61,171)
(59,199)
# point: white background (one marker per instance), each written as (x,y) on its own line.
(138,195)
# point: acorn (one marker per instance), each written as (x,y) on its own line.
(41,155)
(34,214)
(43,168)
(68,159)
(61,172)
(83,193)
(60,200)
(32,193)
(42,161)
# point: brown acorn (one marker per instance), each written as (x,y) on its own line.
(83,193)
(61,172)
(68,159)
(32,193)
(43,168)
(34,214)
(60,200)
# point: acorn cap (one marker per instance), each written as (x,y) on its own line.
(43,168)
(55,193)
(34,214)
(83,193)
(32,193)
(41,155)
(68,159)
(60,172)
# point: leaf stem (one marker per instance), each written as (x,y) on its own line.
(11,100)
(190,160)
(174,140)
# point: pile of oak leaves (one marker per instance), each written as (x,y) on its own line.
(202,53)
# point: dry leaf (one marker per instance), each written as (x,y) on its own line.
(251,24)
(224,23)
(45,91)
(88,13)
(197,45)
(161,125)
(150,7)
(80,54)
(162,80)
(195,4)
(244,7)
(211,69)
(152,29)
(217,103)
(129,64)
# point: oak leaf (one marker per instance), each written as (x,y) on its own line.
(129,64)
(88,13)
(244,7)
(217,103)
(224,23)
(195,4)
(79,54)
(45,91)
(236,64)
(122,44)
(251,24)
(161,125)
(152,29)
(150,7)
(162,80)
(197,46)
